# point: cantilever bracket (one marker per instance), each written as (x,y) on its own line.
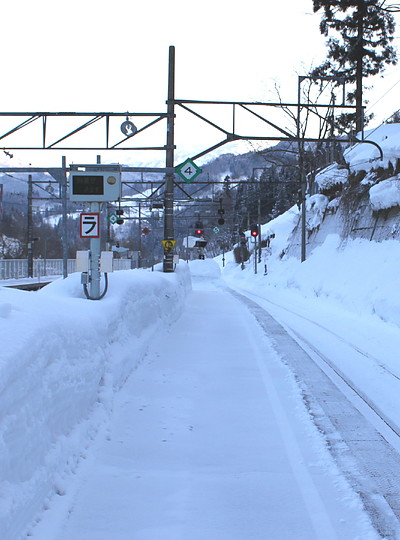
(374,144)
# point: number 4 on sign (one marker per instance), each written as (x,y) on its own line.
(188,170)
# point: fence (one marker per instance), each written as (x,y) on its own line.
(18,268)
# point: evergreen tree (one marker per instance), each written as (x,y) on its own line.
(359,47)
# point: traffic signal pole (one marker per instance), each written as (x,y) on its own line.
(168,263)
(255,255)
(255,231)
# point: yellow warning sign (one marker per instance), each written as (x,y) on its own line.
(168,245)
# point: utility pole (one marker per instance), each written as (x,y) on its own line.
(257,239)
(168,265)
(303,208)
(140,237)
(30,228)
(259,228)
(302,178)
(65,216)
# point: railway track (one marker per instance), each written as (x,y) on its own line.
(306,343)
(356,348)
(362,438)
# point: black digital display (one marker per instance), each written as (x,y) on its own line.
(87,185)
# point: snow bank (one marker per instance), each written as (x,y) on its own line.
(62,357)
(365,156)
(316,206)
(206,268)
(280,229)
(385,194)
(359,276)
(332,175)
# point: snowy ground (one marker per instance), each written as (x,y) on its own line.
(345,302)
(209,439)
(165,412)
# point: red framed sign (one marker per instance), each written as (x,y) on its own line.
(89,225)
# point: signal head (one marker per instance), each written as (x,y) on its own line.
(254,231)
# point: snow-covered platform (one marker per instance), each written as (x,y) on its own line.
(165,411)
(210,438)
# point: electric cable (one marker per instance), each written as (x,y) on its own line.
(86,291)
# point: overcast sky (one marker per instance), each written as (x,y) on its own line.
(86,55)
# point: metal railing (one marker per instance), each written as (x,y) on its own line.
(18,268)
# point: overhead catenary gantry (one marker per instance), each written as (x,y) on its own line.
(67,131)
(40,129)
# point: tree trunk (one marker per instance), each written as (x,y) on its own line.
(359,67)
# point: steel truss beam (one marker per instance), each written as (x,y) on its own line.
(282,133)
(95,117)
(86,119)
(108,120)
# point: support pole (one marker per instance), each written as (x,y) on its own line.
(168,264)
(64,216)
(259,230)
(303,213)
(255,254)
(302,178)
(140,236)
(95,248)
(30,228)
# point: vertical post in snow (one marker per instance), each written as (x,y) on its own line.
(302,178)
(259,231)
(168,263)
(255,254)
(95,248)
(64,216)
(30,229)
(140,237)
(303,214)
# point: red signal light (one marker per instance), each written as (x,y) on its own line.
(254,230)
(199,232)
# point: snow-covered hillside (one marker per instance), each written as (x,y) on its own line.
(359,198)
(350,270)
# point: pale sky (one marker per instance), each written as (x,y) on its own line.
(100,56)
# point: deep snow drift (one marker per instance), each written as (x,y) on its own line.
(62,358)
